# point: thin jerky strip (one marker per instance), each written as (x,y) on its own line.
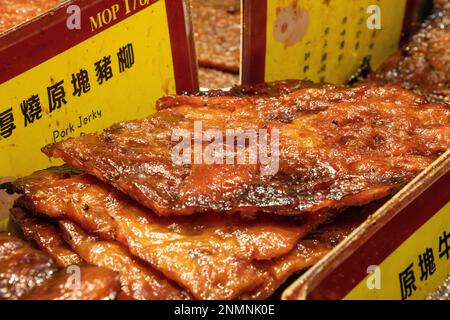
(46,236)
(138,281)
(95,284)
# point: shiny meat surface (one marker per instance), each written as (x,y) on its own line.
(46,236)
(265,89)
(423,65)
(217,27)
(310,250)
(36,188)
(338,147)
(22,268)
(95,284)
(210,255)
(138,281)
(27,273)
(15,12)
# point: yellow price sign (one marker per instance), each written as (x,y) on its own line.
(59,81)
(321,41)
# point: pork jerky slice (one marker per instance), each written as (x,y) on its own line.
(47,237)
(36,189)
(138,281)
(27,273)
(211,255)
(338,147)
(21,268)
(95,284)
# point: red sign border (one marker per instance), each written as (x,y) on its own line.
(46,36)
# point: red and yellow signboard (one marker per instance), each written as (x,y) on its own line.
(57,82)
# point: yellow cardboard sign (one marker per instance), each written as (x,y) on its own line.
(416,268)
(114,76)
(326,41)
(3,224)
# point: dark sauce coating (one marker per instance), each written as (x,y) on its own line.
(27,273)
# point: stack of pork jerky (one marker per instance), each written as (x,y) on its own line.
(128,220)
(174,214)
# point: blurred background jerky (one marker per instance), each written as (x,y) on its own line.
(423,64)
(212,78)
(217,26)
(15,12)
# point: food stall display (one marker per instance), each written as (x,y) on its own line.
(224,150)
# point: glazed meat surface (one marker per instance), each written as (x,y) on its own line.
(95,284)
(423,65)
(138,281)
(310,250)
(27,273)
(210,255)
(22,268)
(202,254)
(338,147)
(46,236)
(95,220)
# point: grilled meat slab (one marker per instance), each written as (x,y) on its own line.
(211,255)
(138,280)
(36,187)
(338,147)
(21,268)
(96,284)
